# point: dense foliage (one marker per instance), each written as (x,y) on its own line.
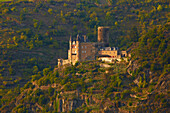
(34,34)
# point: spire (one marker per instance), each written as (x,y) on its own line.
(85,38)
(71,38)
(78,38)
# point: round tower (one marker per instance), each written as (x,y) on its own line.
(103,34)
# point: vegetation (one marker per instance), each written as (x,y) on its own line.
(34,34)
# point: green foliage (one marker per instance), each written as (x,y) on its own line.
(36,77)
(87,101)
(46,71)
(108,90)
(50,11)
(38,92)
(70,69)
(159,8)
(42,100)
(30,42)
(51,91)
(130,103)
(28,85)
(134,35)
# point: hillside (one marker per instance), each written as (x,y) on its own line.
(33,35)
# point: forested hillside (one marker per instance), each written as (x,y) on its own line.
(34,34)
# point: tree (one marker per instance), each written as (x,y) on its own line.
(159,8)
(111,2)
(35,69)
(42,100)
(46,71)
(50,11)
(51,91)
(134,34)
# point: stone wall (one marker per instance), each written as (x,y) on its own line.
(87,51)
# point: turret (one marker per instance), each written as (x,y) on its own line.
(78,38)
(77,48)
(103,34)
(70,49)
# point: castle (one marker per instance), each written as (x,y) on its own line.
(82,49)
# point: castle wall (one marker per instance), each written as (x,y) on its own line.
(87,51)
(113,53)
(123,53)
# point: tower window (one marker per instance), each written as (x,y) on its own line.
(85,47)
(82,47)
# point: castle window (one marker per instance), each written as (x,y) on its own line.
(85,47)
(82,47)
(84,51)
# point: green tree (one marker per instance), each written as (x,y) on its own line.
(51,91)
(50,11)
(42,100)
(46,71)
(159,8)
(134,35)
(35,69)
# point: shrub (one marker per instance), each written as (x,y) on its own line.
(38,92)
(50,11)
(150,88)
(51,91)
(87,101)
(116,97)
(130,103)
(42,100)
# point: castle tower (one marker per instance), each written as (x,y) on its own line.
(103,34)
(70,50)
(77,48)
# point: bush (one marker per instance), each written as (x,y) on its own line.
(50,11)
(42,100)
(130,103)
(51,91)
(108,90)
(38,92)
(150,88)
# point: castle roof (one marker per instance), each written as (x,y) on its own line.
(82,38)
(109,48)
